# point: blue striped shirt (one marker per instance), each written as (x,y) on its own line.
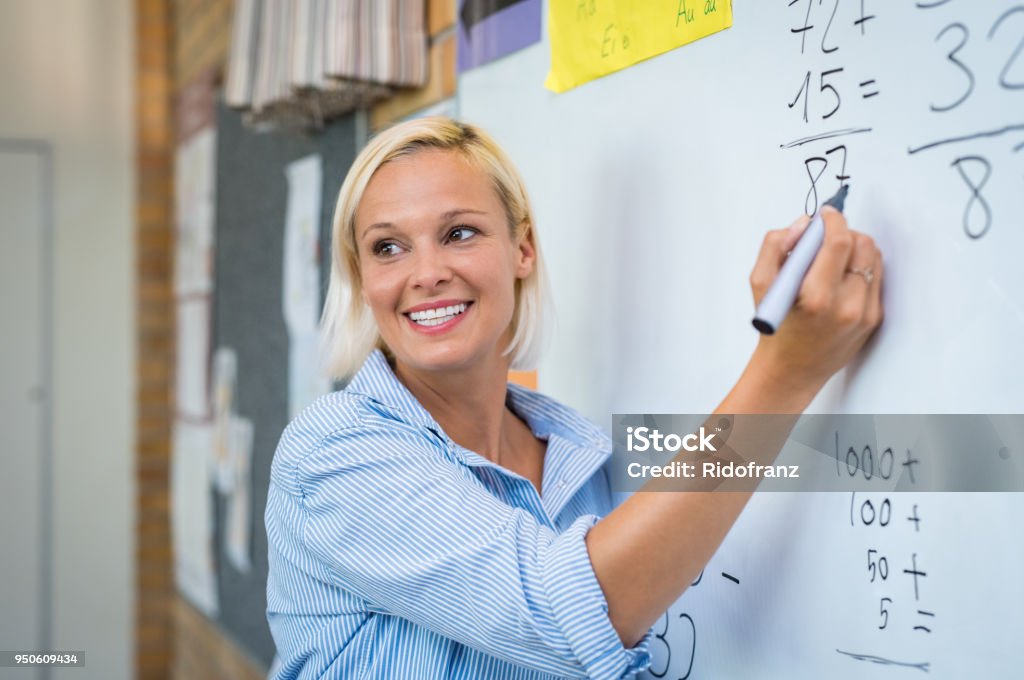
(395,552)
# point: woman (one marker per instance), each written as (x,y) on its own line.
(431,521)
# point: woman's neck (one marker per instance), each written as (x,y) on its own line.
(469,404)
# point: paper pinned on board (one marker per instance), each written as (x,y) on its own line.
(302,245)
(231,458)
(193,351)
(237,536)
(195,185)
(490,29)
(302,282)
(225,379)
(195,170)
(592,38)
(195,570)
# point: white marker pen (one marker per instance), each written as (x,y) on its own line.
(779,299)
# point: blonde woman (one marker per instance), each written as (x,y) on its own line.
(431,520)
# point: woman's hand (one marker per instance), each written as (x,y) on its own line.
(837,309)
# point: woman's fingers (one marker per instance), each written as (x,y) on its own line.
(820,287)
(776,246)
(837,308)
(875,310)
(857,282)
(794,231)
(843,285)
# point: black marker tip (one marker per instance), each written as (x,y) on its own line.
(839,199)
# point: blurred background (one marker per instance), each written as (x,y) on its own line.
(167,174)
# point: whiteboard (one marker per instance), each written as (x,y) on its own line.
(652,188)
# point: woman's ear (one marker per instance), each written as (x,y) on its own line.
(526,254)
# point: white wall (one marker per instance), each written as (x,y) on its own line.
(66,77)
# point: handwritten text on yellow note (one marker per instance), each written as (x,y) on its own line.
(592,38)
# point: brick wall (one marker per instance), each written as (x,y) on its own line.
(154,335)
(175,41)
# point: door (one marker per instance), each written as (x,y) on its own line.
(25,475)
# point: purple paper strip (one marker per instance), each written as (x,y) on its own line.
(506,31)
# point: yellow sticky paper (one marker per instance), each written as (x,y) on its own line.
(592,38)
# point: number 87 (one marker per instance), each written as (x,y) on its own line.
(811,202)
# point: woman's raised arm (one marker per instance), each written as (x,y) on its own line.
(648,550)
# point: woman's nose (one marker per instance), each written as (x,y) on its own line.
(430,268)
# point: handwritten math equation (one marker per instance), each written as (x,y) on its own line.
(966,31)
(965,61)
(820,89)
(894,585)
(669,658)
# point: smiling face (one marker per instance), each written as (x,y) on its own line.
(438,265)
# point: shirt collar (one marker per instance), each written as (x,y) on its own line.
(544,415)
(547,417)
(576,447)
(377,381)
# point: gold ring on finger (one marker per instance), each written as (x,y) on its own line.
(868,273)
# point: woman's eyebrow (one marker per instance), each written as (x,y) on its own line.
(377,225)
(452,214)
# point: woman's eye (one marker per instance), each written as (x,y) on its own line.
(385,248)
(461,233)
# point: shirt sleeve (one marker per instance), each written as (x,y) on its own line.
(416,535)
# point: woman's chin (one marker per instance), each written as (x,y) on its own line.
(443,359)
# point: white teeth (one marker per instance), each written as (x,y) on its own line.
(437,315)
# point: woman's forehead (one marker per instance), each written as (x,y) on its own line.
(439,165)
(430,181)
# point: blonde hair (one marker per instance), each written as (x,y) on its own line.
(348,330)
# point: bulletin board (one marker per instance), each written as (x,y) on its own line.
(248,317)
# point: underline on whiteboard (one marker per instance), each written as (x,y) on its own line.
(823,135)
(886,662)
(966,138)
